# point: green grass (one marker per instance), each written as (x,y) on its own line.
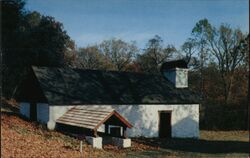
(232,144)
(163,153)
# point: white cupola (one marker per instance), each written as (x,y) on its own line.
(176,72)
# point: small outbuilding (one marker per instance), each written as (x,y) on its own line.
(111,102)
(90,119)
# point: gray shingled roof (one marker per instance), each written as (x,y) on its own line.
(64,86)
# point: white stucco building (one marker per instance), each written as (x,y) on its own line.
(155,105)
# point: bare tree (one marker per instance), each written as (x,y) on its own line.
(118,52)
(70,54)
(154,55)
(227,46)
(189,48)
(199,33)
(90,58)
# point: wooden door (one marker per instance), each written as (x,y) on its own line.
(165,124)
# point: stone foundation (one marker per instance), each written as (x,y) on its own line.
(96,142)
(120,142)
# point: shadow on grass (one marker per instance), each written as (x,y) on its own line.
(199,146)
(150,154)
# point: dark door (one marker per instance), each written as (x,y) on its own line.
(33,112)
(115,131)
(165,124)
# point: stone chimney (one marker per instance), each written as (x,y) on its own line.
(176,72)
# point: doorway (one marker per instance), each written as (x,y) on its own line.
(165,124)
(33,112)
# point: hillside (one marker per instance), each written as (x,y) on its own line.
(21,138)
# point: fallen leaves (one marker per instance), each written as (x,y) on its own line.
(24,139)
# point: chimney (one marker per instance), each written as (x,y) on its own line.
(176,72)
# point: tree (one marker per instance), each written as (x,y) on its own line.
(154,55)
(199,33)
(29,38)
(50,41)
(189,48)
(11,15)
(226,46)
(12,12)
(39,40)
(91,58)
(118,52)
(70,54)
(245,45)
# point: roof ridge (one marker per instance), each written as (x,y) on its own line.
(97,70)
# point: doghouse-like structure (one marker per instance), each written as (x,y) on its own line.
(92,118)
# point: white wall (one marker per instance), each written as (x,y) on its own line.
(181,78)
(55,112)
(145,118)
(178,76)
(25,109)
(42,112)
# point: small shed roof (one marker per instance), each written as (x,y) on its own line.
(90,117)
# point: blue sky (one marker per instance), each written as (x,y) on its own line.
(91,21)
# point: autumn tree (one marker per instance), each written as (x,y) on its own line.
(226,46)
(118,52)
(189,50)
(199,34)
(154,55)
(48,42)
(11,15)
(90,58)
(70,54)
(29,38)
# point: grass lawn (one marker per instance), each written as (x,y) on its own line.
(210,144)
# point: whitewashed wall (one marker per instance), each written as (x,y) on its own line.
(55,112)
(178,76)
(43,112)
(145,118)
(25,109)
